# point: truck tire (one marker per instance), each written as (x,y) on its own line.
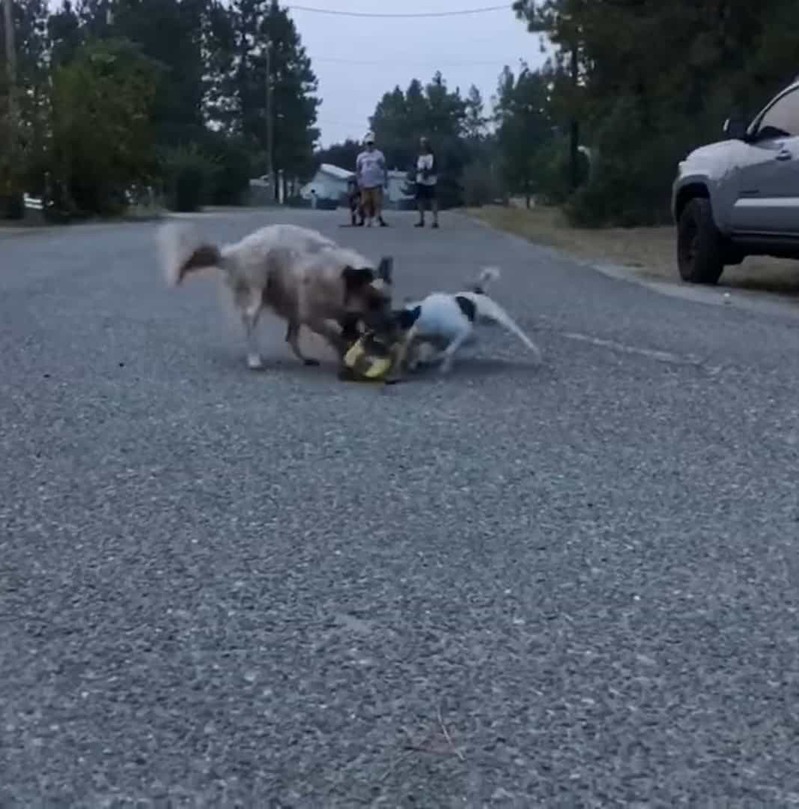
(700,246)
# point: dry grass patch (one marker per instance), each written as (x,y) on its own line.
(650,252)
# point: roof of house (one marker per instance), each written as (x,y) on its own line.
(336,171)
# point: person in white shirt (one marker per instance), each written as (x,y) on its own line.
(426,181)
(372,176)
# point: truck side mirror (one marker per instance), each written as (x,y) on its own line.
(735,128)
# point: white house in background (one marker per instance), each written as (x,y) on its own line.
(329,182)
(397,180)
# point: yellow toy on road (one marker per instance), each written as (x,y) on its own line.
(368,359)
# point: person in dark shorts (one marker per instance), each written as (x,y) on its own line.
(426,182)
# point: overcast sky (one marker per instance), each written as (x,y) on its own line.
(357,59)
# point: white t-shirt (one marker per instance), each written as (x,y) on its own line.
(426,162)
(370,167)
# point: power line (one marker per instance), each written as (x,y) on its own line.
(403,63)
(395,15)
(344,124)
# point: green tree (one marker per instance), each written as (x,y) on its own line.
(397,122)
(342,154)
(169,32)
(19,137)
(524,129)
(401,118)
(30,28)
(64,32)
(475,119)
(102,135)
(649,80)
(293,82)
(219,57)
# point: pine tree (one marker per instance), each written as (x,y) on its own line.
(431,110)
(170,32)
(293,82)
(475,120)
(524,128)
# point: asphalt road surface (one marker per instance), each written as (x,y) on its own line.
(566,586)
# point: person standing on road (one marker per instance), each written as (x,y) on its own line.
(372,175)
(426,181)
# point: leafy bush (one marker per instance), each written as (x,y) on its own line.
(449,192)
(188,176)
(480,185)
(552,172)
(12,202)
(12,206)
(633,169)
(102,137)
(231,169)
(297,202)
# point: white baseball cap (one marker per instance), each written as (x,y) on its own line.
(370,137)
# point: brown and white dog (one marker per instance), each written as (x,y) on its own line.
(301,275)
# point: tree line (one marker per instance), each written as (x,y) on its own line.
(118,95)
(112,96)
(630,87)
(485,152)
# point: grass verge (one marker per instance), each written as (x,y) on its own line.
(35,219)
(648,252)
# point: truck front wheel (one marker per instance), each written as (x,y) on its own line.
(700,247)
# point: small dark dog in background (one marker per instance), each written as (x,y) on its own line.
(356,206)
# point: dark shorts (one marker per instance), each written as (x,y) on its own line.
(425,192)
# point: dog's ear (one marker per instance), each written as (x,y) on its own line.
(355,279)
(385,269)
(405,318)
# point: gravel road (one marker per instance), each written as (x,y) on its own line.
(566,586)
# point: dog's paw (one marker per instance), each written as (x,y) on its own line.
(445,367)
(254,362)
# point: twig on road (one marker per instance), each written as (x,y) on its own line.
(427,747)
(448,737)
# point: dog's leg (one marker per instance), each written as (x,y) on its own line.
(330,333)
(403,355)
(421,353)
(448,354)
(413,357)
(293,339)
(251,311)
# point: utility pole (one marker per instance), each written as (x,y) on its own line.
(14,200)
(270,123)
(574,126)
(11,65)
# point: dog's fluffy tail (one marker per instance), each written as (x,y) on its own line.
(181,251)
(491,310)
(486,277)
